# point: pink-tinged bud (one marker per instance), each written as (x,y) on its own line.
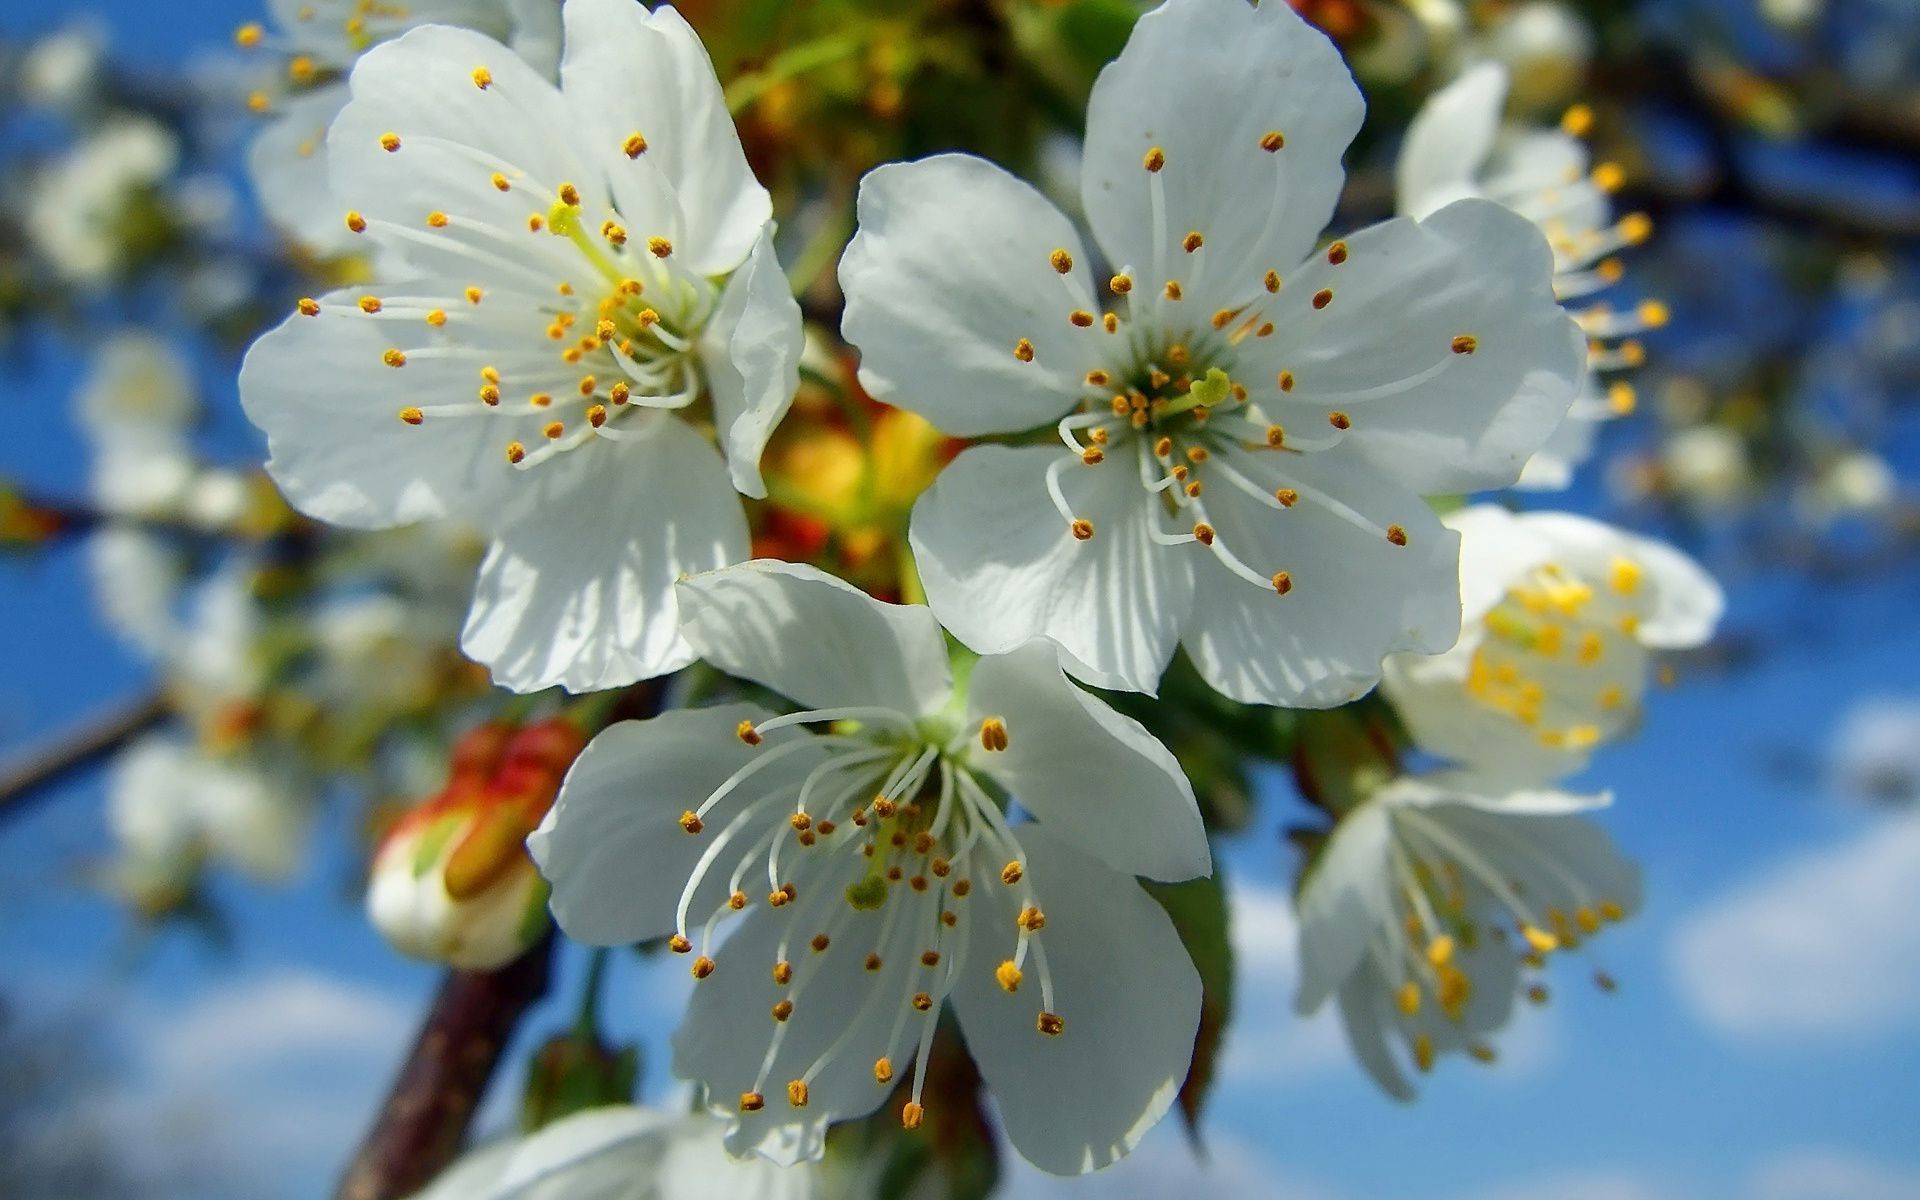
(451,882)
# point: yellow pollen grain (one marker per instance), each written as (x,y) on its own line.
(659,247)
(1397,535)
(1464,343)
(309,307)
(1272,140)
(634,146)
(797,1093)
(356,222)
(482,78)
(515,452)
(1023,350)
(1011,873)
(1272,281)
(1093,456)
(536,222)
(1193,241)
(1154,160)
(1285,379)
(1339,420)
(412,416)
(394,357)
(702,967)
(1120,285)
(1081,318)
(752,1101)
(1282,582)
(1061,260)
(569,195)
(1111,322)
(1172,290)
(679,944)
(911,1114)
(747,733)
(1577,121)
(249,35)
(1008,976)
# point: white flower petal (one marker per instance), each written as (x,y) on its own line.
(627,71)
(1436,413)
(815,639)
(1449,141)
(287,166)
(598,1154)
(1497,550)
(578,592)
(1206,81)
(751,349)
(1355,596)
(1097,779)
(1123,985)
(1366,1013)
(1683,604)
(536,34)
(949,271)
(1001,566)
(336,444)
(612,845)
(1342,903)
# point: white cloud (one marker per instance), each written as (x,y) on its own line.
(1823,944)
(1163,1166)
(1833,1175)
(1266,1041)
(1876,752)
(270,1079)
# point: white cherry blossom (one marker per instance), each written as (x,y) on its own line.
(1246,426)
(1563,618)
(590,301)
(875,872)
(1459,146)
(320,41)
(1432,900)
(618,1153)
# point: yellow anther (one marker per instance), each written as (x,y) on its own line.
(1061,260)
(1423,1052)
(553,429)
(1537,994)
(737,901)
(702,967)
(1323,297)
(1202,532)
(301,68)
(1587,919)
(249,35)
(389,142)
(1111,322)
(1120,285)
(1541,941)
(1221,317)
(1011,873)
(752,1101)
(691,822)
(370,304)
(569,195)
(356,222)
(1154,159)
(394,357)
(634,146)
(1481,1052)
(260,102)
(1285,380)
(1023,350)
(929,958)
(613,232)
(1409,998)
(1172,290)
(1440,950)
(515,452)
(1624,576)
(309,307)
(536,222)
(679,944)
(1081,318)
(883,1070)
(1397,535)
(619,392)
(1093,456)
(782,1009)
(797,1093)
(1609,176)
(1272,140)
(1339,420)
(1577,121)
(659,247)
(783,972)
(911,1115)
(1031,919)
(437,219)
(1635,228)
(1286,496)
(482,78)
(993,734)
(1272,281)
(412,416)
(1654,313)
(1050,1024)
(747,733)
(1193,241)
(922,1002)
(820,942)
(1621,398)
(436,317)
(1082,528)
(1282,582)
(540,400)
(1465,343)
(1337,253)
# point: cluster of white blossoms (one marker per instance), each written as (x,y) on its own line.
(1459,146)
(1211,430)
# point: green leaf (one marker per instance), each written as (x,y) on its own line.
(1199,911)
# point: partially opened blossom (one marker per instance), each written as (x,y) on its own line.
(585,301)
(91,213)
(1246,426)
(1459,146)
(319,41)
(1563,618)
(1431,903)
(618,1153)
(874,873)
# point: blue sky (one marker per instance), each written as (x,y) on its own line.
(1765,1042)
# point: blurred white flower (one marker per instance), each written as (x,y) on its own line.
(619,1153)
(321,40)
(136,407)
(1313,400)
(1707,466)
(1856,483)
(62,70)
(897,883)
(136,580)
(1562,616)
(587,266)
(79,207)
(1431,897)
(1459,145)
(1545,46)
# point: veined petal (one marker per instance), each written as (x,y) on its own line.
(815,639)
(1342,903)
(954,301)
(752,355)
(1001,566)
(628,71)
(336,445)
(1124,987)
(1449,141)
(612,845)
(1440,340)
(1097,779)
(578,592)
(1354,595)
(1207,82)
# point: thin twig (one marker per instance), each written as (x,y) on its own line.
(45,765)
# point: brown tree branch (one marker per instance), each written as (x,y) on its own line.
(424,1120)
(44,765)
